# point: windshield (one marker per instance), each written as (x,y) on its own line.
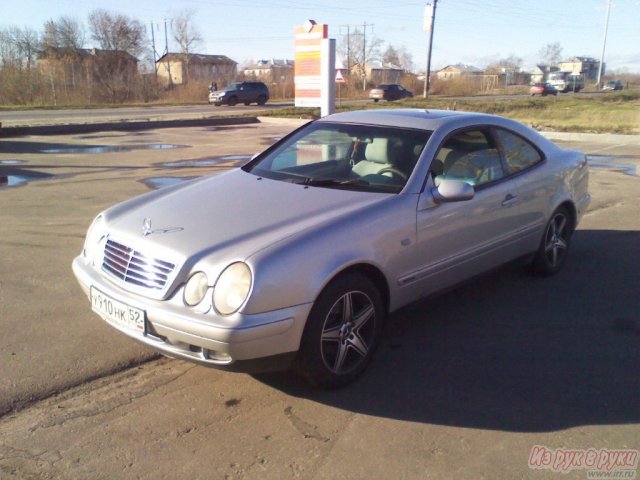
(330,155)
(232,86)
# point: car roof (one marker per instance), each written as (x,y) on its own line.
(407,117)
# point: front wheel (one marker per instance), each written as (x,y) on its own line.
(232,101)
(554,246)
(342,332)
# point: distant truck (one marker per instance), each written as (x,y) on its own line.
(566,82)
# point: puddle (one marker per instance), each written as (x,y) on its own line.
(115,135)
(206,162)
(612,163)
(17,177)
(222,129)
(112,148)
(157,183)
(11,162)
(270,139)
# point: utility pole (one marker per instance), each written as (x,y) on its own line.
(153,44)
(429,24)
(348,27)
(156,55)
(604,43)
(364,54)
(364,49)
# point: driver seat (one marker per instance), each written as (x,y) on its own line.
(376,157)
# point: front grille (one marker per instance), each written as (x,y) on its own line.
(135,268)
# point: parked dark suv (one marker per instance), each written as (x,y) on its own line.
(241,92)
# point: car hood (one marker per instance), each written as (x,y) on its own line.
(226,217)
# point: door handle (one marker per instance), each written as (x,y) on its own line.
(509,200)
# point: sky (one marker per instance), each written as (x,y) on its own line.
(466,31)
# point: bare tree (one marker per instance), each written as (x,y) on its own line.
(114,31)
(65,33)
(185,32)
(186,35)
(551,53)
(18,77)
(398,56)
(9,55)
(26,43)
(114,69)
(70,33)
(510,64)
(359,50)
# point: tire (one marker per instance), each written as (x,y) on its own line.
(375,100)
(232,101)
(554,246)
(262,100)
(247,103)
(336,345)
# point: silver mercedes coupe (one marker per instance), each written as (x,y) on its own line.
(296,258)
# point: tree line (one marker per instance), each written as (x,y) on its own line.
(53,65)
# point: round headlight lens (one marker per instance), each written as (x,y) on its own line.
(95,234)
(232,288)
(196,288)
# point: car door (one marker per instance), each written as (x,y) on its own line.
(461,239)
(245,92)
(522,161)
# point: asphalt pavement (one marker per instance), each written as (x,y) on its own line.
(463,385)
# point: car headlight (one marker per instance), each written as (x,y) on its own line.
(96,233)
(222,94)
(195,289)
(232,288)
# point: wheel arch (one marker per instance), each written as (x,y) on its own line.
(571,208)
(371,272)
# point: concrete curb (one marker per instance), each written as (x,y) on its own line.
(122,126)
(293,122)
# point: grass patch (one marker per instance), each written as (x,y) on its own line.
(598,113)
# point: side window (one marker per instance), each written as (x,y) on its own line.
(469,156)
(519,153)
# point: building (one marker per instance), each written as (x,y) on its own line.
(178,68)
(378,72)
(458,70)
(540,73)
(586,66)
(73,65)
(271,71)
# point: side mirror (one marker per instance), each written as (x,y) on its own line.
(452,191)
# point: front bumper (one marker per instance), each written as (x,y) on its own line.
(218,100)
(178,331)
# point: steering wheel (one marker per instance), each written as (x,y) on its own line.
(394,171)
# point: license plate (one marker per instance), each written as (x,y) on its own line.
(117,313)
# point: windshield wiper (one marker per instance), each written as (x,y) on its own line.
(323,182)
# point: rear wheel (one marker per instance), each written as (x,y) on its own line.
(342,332)
(554,246)
(262,100)
(232,101)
